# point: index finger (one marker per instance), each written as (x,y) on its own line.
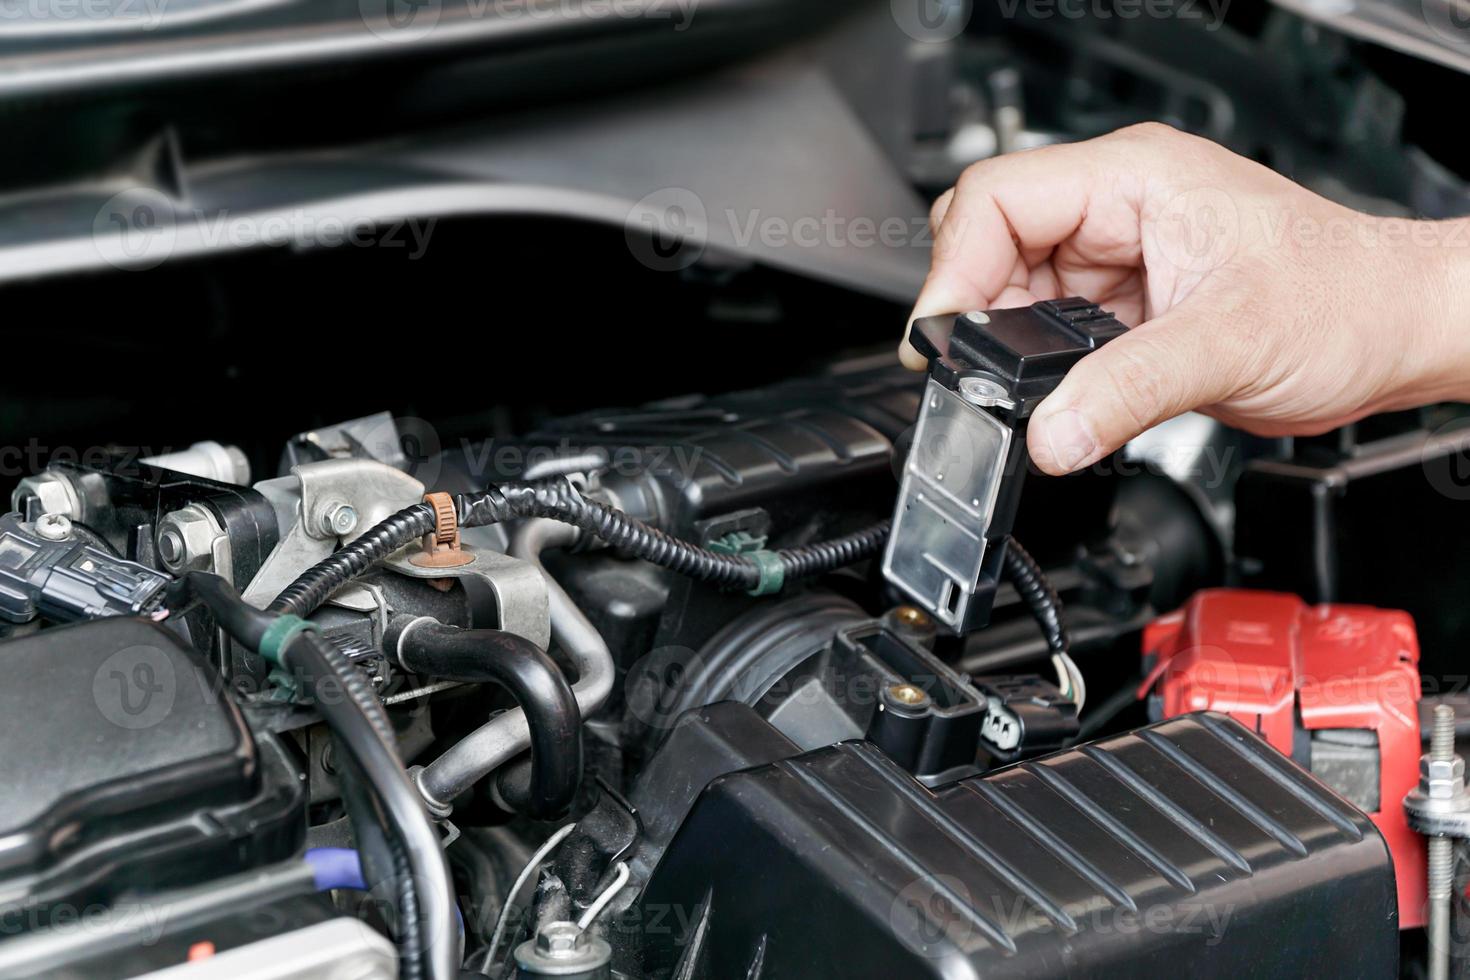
(1013,211)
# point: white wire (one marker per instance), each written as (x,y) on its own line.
(1079,686)
(1064,674)
(608,894)
(526,872)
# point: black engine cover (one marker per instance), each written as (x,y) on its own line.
(1189,848)
(127,769)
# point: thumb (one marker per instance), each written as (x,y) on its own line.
(1160,369)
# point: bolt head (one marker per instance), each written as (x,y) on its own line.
(560,939)
(344,519)
(337,519)
(976,316)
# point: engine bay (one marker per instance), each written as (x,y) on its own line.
(376,612)
(708,767)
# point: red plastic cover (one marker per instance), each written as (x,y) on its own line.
(1276,664)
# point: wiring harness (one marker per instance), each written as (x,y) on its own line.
(759,572)
(1046,607)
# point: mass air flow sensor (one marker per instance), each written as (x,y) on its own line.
(962,480)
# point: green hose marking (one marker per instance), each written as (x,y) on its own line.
(280,634)
(772,572)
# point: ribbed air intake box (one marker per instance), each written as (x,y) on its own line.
(1189,848)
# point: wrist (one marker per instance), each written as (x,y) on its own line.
(1439,303)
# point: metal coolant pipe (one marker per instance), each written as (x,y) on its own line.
(507,735)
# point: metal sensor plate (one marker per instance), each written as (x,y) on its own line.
(946,500)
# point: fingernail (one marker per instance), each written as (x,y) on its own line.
(1067,437)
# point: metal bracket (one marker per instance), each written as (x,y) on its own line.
(518,589)
(371,490)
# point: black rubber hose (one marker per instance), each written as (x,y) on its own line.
(1045,605)
(360,724)
(559,500)
(487,656)
(428,912)
(233,614)
(383,860)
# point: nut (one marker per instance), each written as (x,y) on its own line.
(188,540)
(1442,780)
(54,495)
(560,939)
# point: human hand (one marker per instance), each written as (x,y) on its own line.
(1254,300)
